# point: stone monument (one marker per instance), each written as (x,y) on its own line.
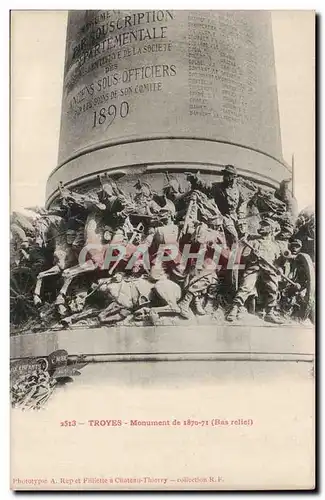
(149,91)
(169,134)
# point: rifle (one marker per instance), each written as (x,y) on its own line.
(271,266)
(188,214)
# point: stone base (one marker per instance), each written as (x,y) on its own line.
(231,342)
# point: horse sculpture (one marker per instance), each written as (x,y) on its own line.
(63,234)
(134,297)
(146,255)
(105,225)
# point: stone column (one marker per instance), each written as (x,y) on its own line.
(147,92)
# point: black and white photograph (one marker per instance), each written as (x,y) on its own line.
(162,250)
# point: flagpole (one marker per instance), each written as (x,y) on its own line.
(293,174)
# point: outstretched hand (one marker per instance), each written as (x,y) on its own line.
(192,177)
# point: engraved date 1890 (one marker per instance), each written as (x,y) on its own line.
(110,113)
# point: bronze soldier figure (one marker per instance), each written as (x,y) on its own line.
(230,196)
(143,199)
(266,249)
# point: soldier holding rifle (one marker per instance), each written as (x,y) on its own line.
(262,264)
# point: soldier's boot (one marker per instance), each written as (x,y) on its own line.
(154,317)
(211,306)
(232,315)
(242,312)
(184,305)
(198,306)
(271,317)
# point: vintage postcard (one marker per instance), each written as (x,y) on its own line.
(162,250)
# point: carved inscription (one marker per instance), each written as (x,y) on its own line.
(219,86)
(100,49)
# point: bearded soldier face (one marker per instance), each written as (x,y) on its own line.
(229,179)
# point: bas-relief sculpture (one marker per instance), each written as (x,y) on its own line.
(217,225)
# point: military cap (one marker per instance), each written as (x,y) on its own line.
(230,169)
